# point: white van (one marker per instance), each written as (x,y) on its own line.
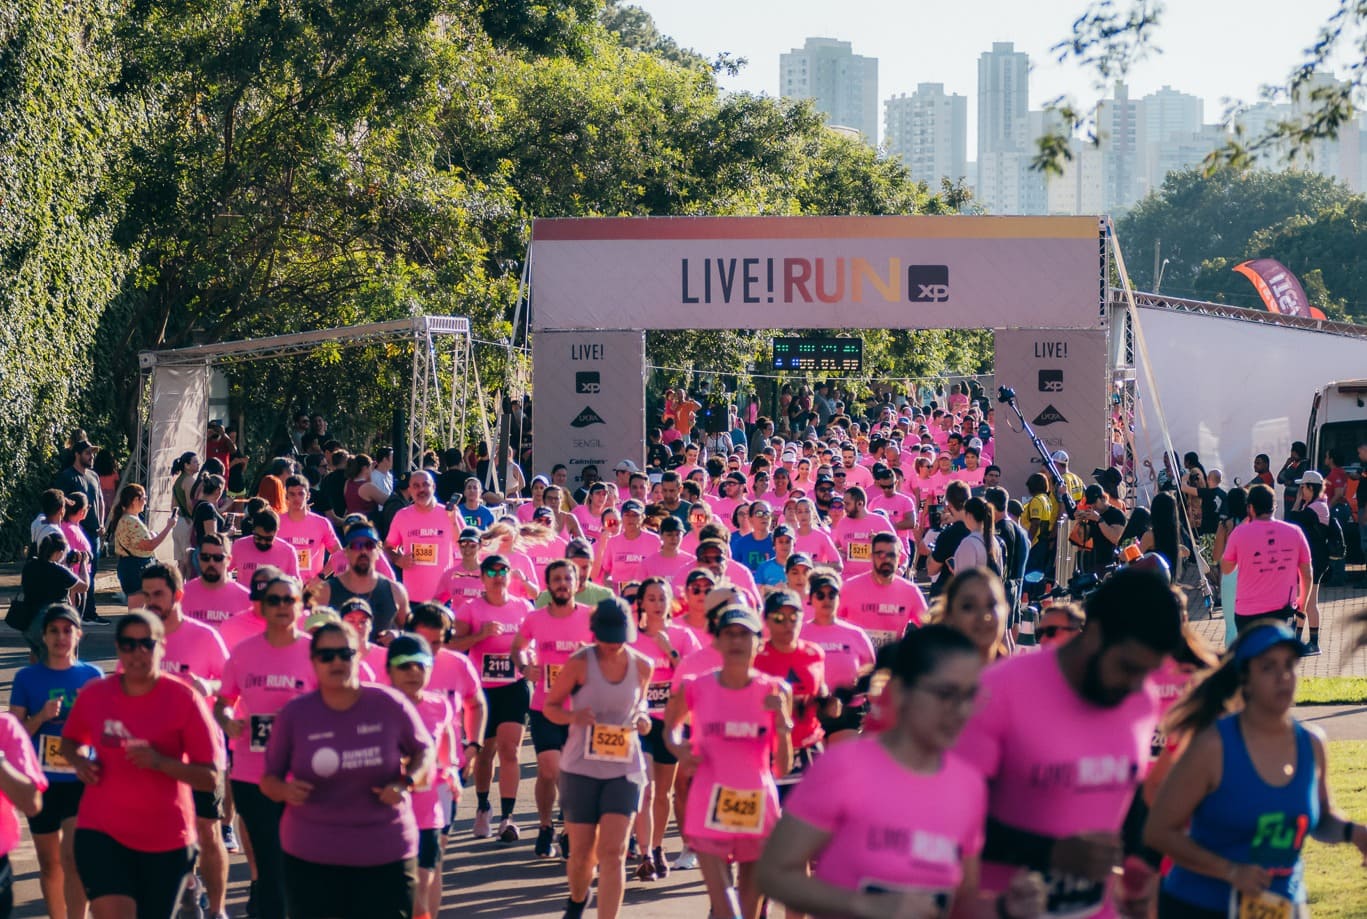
(1338,422)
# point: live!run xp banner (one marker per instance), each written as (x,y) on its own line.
(818,272)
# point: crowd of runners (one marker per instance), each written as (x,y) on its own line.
(807,662)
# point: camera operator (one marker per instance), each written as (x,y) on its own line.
(1105,522)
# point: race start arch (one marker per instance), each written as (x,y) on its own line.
(598,284)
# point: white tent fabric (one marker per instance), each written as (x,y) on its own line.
(180,415)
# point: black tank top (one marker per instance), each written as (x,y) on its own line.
(381,601)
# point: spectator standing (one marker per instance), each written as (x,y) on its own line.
(80,476)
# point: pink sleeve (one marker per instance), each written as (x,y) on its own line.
(18,747)
(816,799)
(228,689)
(864,652)
(76,726)
(462,614)
(980,744)
(469,677)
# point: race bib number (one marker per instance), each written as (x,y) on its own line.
(53,761)
(736,810)
(879,639)
(424,553)
(1266,905)
(1073,897)
(1157,742)
(497,667)
(609,743)
(260,727)
(657,696)
(860,552)
(941,898)
(305,556)
(552,671)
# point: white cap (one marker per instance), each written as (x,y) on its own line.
(1059,456)
(625,465)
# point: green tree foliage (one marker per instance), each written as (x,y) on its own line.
(176,172)
(58,268)
(1208,223)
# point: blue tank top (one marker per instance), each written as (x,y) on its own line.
(1249,821)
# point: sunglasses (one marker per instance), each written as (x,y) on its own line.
(328,655)
(494,572)
(409,665)
(212,558)
(825,593)
(709,559)
(362,544)
(278,600)
(1050,631)
(783,618)
(699,590)
(759,513)
(129,645)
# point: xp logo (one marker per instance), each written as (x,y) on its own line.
(587,418)
(928,283)
(587,382)
(1051,381)
(1049,416)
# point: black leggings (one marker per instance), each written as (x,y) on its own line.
(316,891)
(261,819)
(152,880)
(1169,907)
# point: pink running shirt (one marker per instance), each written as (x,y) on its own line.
(17,748)
(246,558)
(890,826)
(854,539)
(257,682)
(733,792)
(492,656)
(428,537)
(848,650)
(1268,554)
(312,538)
(1074,773)
(683,641)
(554,640)
(215,605)
(819,545)
(883,612)
(437,715)
(623,559)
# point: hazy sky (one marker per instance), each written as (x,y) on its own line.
(1216,49)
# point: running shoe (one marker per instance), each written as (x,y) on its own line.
(230,838)
(687,860)
(1313,650)
(564,845)
(484,818)
(646,871)
(545,842)
(508,831)
(96,620)
(661,864)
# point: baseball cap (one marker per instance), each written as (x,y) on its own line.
(579,548)
(542,512)
(364,531)
(739,615)
(81,446)
(1262,638)
(263,577)
(700,574)
(797,558)
(320,617)
(611,621)
(469,534)
(975,442)
(1060,456)
(789,456)
(56,611)
(779,599)
(824,578)
(1311,477)
(633,505)
(626,465)
(407,649)
(1093,493)
(837,499)
(724,594)
(540,478)
(737,477)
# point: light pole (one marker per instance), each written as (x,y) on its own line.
(1158,284)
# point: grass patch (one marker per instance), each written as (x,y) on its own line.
(1331,690)
(1334,875)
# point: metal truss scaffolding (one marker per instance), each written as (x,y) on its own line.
(429,335)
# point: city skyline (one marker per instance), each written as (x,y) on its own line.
(928,43)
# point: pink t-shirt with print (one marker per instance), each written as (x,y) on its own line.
(882,611)
(258,680)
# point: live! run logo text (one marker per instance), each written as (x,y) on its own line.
(810,280)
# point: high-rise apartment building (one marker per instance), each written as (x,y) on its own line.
(843,85)
(928,132)
(1170,133)
(1003,99)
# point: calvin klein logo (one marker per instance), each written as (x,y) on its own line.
(1049,416)
(586,418)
